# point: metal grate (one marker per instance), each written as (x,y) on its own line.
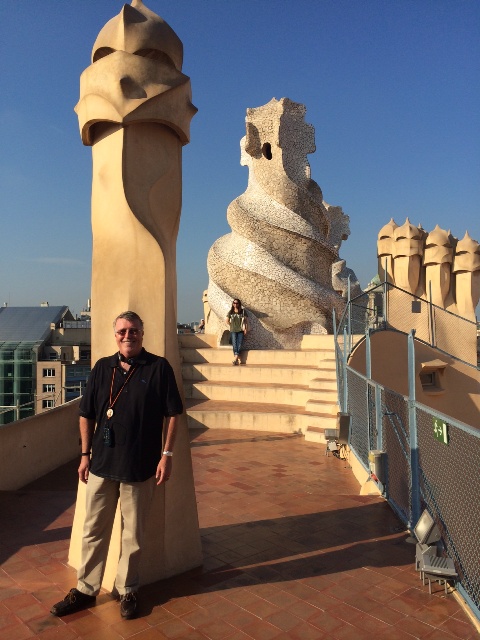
(455,337)
(448,471)
(396,443)
(372,416)
(358,409)
(446,474)
(450,486)
(376,309)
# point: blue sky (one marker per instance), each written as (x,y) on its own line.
(391,87)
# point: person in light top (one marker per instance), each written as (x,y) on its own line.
(237,322)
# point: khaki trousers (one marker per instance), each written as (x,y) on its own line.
(102,499)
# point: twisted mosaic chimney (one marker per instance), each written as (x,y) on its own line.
(285,239)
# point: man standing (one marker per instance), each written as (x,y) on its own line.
(128,397)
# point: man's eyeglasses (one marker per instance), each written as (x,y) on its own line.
(124,332)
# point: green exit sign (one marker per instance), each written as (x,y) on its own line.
(440,430)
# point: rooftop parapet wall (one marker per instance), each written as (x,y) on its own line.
(32,447)
(435,266)
(285,238)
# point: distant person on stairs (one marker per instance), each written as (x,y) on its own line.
(238,323)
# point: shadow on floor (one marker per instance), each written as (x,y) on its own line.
(294,548)
(27,514)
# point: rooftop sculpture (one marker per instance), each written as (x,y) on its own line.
(435,266)
(134,111)
(285,238)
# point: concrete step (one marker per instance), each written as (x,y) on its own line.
(216,414)
(327,406)
(224,355)
(327,368)
(269,393)
(311,342)
(324,419)
(196,340)
(275,390)
(256,373)
(324,383)
(318,341)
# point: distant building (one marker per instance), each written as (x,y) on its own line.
(44,359)
(184,328)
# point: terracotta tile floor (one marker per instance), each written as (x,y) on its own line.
(291,551)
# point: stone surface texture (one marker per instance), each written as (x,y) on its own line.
(433,265)
(285,238)
(134,111)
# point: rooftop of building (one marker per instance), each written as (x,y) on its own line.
(291,550)
(29,324)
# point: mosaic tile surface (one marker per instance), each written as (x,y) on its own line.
(282,252)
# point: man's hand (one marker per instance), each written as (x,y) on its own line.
(84,469)
(164,469)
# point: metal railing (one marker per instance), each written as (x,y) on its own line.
(30,406)
(432,460)
(388,307)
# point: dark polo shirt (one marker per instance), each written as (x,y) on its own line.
(150,394)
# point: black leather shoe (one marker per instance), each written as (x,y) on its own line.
(75,600)
(129,605)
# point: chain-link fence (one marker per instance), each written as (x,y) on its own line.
(447,468)
(450,486)
(396,444)
(388,307)
(431,460)
(358,409)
